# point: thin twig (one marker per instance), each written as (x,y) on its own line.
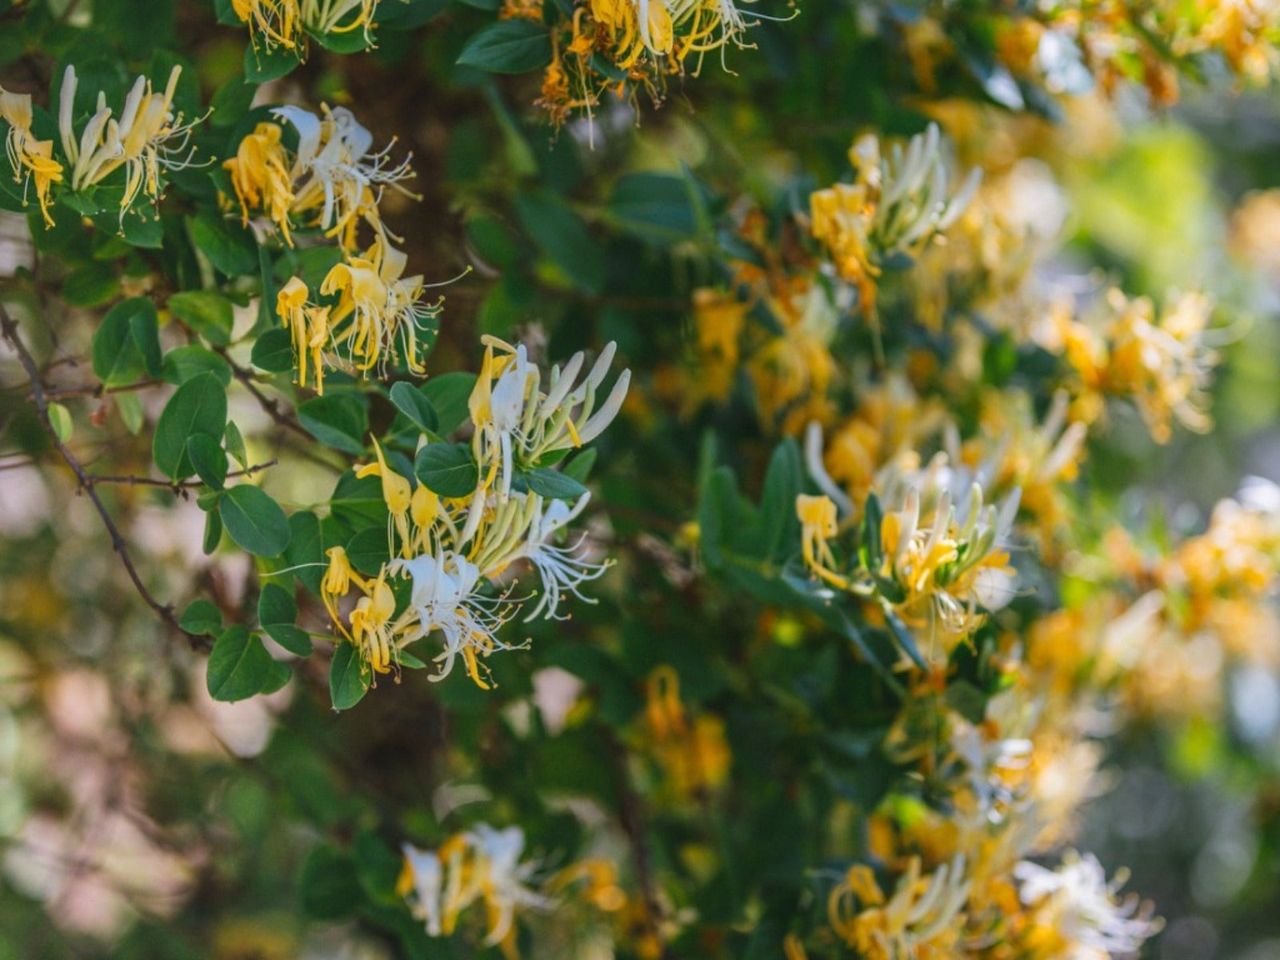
(164,611)
(174,485)
(98,390)
(271,406)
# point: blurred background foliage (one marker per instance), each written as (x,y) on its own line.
(141,819)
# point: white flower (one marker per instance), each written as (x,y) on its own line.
(505,878)
(445,598)
(1079,903)
(560,569)
(428,885)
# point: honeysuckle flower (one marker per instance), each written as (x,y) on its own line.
(30,158)
(378,318)
(517,424)
(337,582)
(481,865)
(1075,907)
(145,138)
(284,23)
(896,206)
(560,569)
(817,516)
(924,917)
(334,180)
(371,627)
(692,753)
(445,597)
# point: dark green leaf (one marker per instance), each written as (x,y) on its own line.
(254,521)
(447,469)
(198,406)
(277,613)
(239,665)
(348,681)
(118,353)
(183,363)
(448,394)
(340,421)
(411,402)
(273,351)
(212,531)
(202,617)
(208,314)
(208,458)
(562,237)
(229,246)
(508,46)
(553,484)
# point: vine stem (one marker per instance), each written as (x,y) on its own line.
(86,481)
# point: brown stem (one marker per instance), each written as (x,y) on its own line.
(174,485)
(86,481)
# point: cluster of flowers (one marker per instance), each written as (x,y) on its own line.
(918,511)
(128,150)
(626,46)
(285,23)
(372,314)
(456,549)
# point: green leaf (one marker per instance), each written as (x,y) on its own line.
(329,885)
(368,550)
(562,237)
(967,700)
(235,445)
(782,483)
(262,64)
(239,666)
(447,469)
(277,613)
(273,351)
(60,420)
(90,286)
(553,484)
(872,546)
(508,46)
(348,681)
(198,406)
(183,363)
(254,521)
(208,458)
(117,354)
(202,617)
(902,633)
(212,531)
(415,406)
(448,394)
(130,408)
(208,314)
(653,206)
(306,549)
(579,468)
(145,329)
(229,246)
(338,420)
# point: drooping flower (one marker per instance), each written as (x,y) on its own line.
(923,919)
(30,158)
(285,23)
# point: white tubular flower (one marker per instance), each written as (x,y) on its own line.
(517,424)
(1080,905)
(561,569)
(504,878)
(424,875)
(335,171)
(445,598)
(145,138)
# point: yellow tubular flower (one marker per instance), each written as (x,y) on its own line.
(817,517)
(260,177)
(371,625)
(273,22)
(338,578)
(694,757)
(309,328)
(396,494)
(26,153)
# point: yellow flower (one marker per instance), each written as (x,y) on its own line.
(371,628)
(26,153)
(923,919)
(694,757)
(260,176)
(817,517)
